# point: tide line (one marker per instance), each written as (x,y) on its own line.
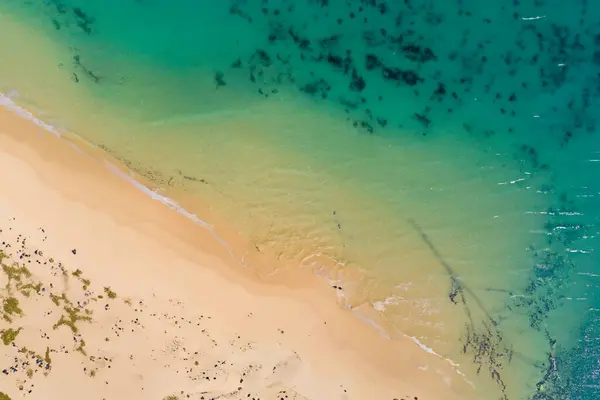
(7,102)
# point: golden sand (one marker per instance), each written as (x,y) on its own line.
(122,297)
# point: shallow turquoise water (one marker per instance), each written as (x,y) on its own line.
(443,116)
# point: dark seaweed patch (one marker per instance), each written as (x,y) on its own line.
(358,83)
(481,339)
(401,61)
(372,62)
(418,54)
(220,79)
(87,72)
(84,21)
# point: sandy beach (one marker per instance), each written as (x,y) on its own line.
(110,294)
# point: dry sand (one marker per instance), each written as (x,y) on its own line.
(109,294)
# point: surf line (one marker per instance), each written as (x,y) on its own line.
(7,102)
(483,342)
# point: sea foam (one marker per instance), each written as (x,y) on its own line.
(6,101)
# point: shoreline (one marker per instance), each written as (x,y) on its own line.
(287,278)
(48,155)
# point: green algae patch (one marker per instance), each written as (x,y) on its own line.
(15,273)
(26,289)
(79,275)
(110,293)
(9,335)
(47,356)
(4,396)
(10,306)
(168,398)
(56,299)
(81,348)
(71,319)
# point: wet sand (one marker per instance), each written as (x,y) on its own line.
(478,177)
(112,294)
(299,188)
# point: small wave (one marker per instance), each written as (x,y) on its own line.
(172,204)
(7,102)
(588,274)
(381,305)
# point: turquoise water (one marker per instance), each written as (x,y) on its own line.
(439,157)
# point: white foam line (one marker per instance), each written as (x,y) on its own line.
(77,149)
(369,321)
(422,346)
(172,204)
(451,362)
(588,274)
(8,103)
(533,18)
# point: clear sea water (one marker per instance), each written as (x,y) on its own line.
(437,160)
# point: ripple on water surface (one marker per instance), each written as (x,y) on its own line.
(436,160)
